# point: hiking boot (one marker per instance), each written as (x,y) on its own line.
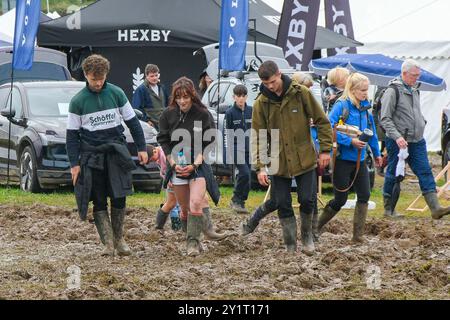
(117,218)
(161,218)
(208,229)
(194,229)
(306,235)
(104,229)
(388,213)
(327,214)
(359,222)
(289,227)
(437,212)
(238,207)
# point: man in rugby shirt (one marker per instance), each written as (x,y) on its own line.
(100,162)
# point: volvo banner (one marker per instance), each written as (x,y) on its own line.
(233,34)
(27,22)
(338,19)
(297,31)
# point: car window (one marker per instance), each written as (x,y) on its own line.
(228,97)
(16,103)
(39,71)
(4,92)
(252,90)
(214,93)
(50,102)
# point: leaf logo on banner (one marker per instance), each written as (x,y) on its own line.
(138,79)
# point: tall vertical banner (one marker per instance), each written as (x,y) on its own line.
(339,19)
(233,34)
(297,31)
(27,22)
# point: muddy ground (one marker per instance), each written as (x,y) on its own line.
(403,259)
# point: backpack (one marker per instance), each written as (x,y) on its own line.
(377,102)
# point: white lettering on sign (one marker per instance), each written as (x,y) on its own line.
(133,35)
(24,38)
(230,41)
(339,28)
(143,35)
(336,13)
(155,35)
(122,35)
(233,22)
(165,34)
(297,29)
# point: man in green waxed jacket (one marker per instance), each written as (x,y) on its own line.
(285,109)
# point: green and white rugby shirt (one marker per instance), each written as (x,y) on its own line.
(95,117)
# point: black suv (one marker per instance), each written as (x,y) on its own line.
(38,158)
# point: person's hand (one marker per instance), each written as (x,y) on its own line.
(358,144)
(378,162)
(170,184)
(143,157)
(263,178)
(184,171)
(324,160)
(401,142)
(75,172)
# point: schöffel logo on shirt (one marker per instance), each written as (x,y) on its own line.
(103,119)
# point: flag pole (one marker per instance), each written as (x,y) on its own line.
(9,127)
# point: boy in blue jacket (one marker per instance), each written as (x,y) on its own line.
(238,120)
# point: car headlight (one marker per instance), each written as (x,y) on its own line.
(48,138)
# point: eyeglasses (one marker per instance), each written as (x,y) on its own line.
(414,75)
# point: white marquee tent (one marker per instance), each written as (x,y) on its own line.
(418,30)
(403,29)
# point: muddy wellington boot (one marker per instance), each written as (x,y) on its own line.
(252,223)
(161,218)
(327,214)
(437,211)
(117,218)
(315,226)
(208,229)
(104,229)
(194,229)
(388,213)
(308,247)
(289,227)
(359,222)
(183,225)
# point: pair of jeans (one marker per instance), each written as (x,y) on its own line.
(344,172)
(418,162)
(242,184)
(306,190)
(101,189)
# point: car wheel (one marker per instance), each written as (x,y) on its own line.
(28,171)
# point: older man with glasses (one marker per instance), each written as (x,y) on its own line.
(404,123)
